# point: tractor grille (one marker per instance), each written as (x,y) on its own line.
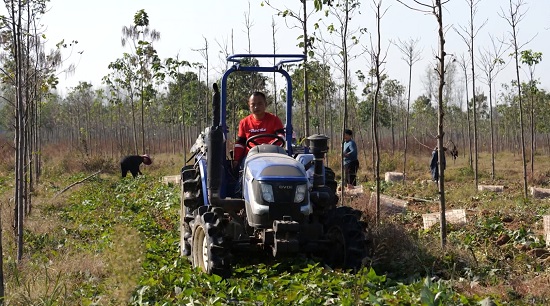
(284,201)
(284,192)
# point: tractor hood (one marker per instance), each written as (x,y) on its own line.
(274,166)
(275,185)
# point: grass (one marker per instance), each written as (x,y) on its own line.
(110,241)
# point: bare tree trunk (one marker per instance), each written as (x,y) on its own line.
(492,131)
(463,64)
(20,132)
(2,289)
(142,116)
(306,83)
(378,72)
(469,40)
(345,62)
(273,31)
(411,59)
(134,123)
(441,113)
(513,20)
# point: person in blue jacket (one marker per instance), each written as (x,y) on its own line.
(351,163)
(434,162)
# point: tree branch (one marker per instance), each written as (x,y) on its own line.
(76,183)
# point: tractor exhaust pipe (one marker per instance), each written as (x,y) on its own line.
(318,144)
(214,154)
(216,105)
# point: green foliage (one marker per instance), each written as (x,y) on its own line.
(152,208)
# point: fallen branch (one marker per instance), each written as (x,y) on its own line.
(419,199)
(76,183)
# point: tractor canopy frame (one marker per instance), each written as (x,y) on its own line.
(278,67)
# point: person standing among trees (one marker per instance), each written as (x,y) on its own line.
(132,162)
(351,163)
(434,162)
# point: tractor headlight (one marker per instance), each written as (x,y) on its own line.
(300,194)
(267,193)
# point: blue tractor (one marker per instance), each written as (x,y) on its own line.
(288,204)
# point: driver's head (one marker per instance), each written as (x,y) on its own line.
(257,104)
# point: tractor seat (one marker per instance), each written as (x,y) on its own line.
(266,148)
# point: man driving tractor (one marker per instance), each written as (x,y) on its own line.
(258,122)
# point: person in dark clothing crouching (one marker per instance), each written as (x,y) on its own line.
(132,162)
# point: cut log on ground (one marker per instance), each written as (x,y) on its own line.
(540,193)
(493,188)
(394,177)
(353,191)
(388,205)
(454,216)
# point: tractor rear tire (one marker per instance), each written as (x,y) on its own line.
(347,235)
(209,247)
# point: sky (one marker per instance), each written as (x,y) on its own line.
(185,25)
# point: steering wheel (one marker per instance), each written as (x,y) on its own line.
(276,140)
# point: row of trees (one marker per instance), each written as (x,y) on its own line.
(93,122)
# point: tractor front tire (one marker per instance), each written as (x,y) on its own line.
(209,249)
(188,172)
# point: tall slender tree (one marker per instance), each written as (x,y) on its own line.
(532,59)
(468,35)
(411,55)
(306,42)
(204,96)
(144,58)
(436,8)
(463,62)
(491,63)
(514,15)
(346,38)
(274,42)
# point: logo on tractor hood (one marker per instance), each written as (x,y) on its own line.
(286,187)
